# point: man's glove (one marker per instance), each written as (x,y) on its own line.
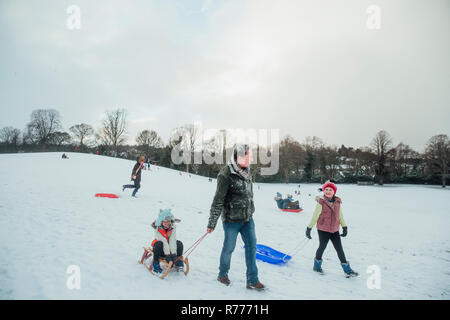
(308,233)
(344,231)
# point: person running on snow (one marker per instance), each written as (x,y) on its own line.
(328,216)
(234,202)
(135,176)
(166,244)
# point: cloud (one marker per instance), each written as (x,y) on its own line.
(307,68)
(143,120)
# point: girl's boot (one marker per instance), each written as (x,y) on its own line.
(318,266)
(348,270)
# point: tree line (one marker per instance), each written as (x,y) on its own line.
(309,161)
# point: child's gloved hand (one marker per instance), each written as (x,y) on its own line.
(344,231)
(308,233)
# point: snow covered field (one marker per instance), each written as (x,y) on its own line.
(50,219)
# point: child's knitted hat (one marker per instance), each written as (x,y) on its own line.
(164,215)
(329,185)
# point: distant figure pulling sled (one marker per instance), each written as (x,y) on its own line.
(288,203)
(135,176)
(328,216)
(165,248)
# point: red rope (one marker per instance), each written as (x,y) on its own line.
(193,246)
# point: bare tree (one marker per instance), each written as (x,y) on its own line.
(10,136)
(403,159)
(60,138)
(148,140)
(366,162)
(437,155)
(292,156)
(82,132)
(381,145)
(44,123)
(187,137)
(329,162)
(112,134)
(311,145)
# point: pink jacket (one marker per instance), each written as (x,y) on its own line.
(329,217)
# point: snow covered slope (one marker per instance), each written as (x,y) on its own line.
(50,219)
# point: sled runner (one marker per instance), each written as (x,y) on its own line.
(147,256)
(107,195)
(291,210)
(267,254)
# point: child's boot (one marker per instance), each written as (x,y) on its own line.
(348,270)
(156,267)
(318,266)
(179,265)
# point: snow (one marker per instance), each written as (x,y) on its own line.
(50,220)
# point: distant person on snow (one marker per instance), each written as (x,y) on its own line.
(233,201)
(135,176)
(288,203)
(64,156)
(328,216)
(281,203)
(166,244)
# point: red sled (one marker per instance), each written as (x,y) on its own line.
(107,195)
(292,210)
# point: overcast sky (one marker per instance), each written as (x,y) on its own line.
(308,68)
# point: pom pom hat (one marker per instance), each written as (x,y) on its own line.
(330,185)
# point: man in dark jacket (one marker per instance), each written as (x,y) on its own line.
(135,176)
(234,202)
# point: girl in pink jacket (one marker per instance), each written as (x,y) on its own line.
(328,216)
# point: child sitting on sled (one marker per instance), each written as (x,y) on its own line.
(165,245)
(288,203)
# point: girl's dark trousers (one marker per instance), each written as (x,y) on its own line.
(335,238)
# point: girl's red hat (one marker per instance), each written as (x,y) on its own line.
(330,185)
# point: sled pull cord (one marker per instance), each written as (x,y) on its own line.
(298,247)
(193,246)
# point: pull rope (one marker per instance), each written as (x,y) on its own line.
(192,247)
(302,244)
(196,243)
(300,248)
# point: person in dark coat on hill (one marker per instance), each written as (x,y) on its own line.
(233,202)
(135,176)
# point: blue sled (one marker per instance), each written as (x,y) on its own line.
(267,254)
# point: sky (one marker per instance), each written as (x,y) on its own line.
(306,68)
